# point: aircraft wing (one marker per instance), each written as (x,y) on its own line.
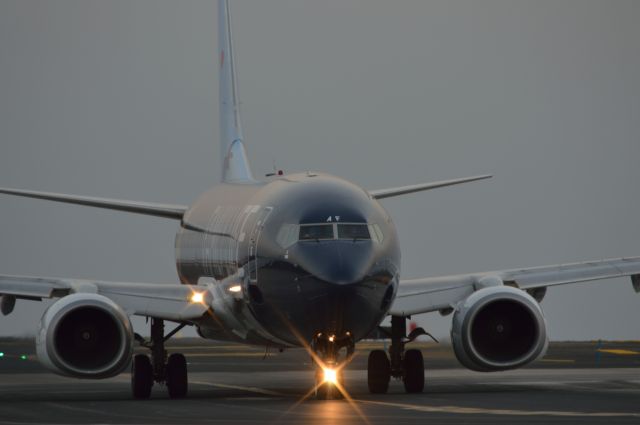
(443,293)
(403,190)
(174,212)
(162,301)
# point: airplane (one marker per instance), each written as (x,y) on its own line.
(296,260)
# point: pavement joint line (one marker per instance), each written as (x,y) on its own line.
(460,410)
(557,360)
(240,387)
(57,405)
(229,354)
(248,398)
(102,413)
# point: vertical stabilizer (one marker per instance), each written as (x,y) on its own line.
(235,165)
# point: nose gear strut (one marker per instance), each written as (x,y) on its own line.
(332,354)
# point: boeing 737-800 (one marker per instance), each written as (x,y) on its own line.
(301,260)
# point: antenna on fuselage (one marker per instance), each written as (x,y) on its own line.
(234,162)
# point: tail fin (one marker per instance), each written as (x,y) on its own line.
(235,165)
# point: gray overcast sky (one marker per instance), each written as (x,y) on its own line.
(119,99)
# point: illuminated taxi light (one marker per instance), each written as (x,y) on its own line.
(23,357)
(1,354)
(330,376)
(197,298)
(235,288)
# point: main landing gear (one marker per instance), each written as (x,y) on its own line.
(169,370)
(331,355)
(407,365)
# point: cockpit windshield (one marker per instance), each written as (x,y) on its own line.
(316,232)
(292,233)
(353,231)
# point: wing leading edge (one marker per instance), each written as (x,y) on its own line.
(442,293)
(146,208)
(403,190)
(162,301)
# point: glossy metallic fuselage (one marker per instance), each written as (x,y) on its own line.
(290,291)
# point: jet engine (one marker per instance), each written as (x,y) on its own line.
(498,328)
(85,336)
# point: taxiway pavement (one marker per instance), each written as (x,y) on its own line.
(576,383)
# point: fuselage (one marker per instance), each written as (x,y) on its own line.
(303,254)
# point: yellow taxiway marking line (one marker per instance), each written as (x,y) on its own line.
(619,352)
(239,387)
(502,412)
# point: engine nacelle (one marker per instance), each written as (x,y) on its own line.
(498,328)
(85,336)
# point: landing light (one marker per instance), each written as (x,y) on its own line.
(330,376)
(197,298)
(235,288)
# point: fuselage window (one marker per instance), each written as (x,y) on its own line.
(353,231)
(316,232)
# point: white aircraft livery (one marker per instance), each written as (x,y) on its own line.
(298,260)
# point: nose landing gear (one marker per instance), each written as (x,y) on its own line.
(331,355)
(170,370)
(407,365)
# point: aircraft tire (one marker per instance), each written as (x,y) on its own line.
(327,391)
(378,372)
(334,391)
(323,392)
(413,376)
(177,381)
(141,376)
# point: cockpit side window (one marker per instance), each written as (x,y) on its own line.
(353,231)
(376,233)
(288,235)
(315,232)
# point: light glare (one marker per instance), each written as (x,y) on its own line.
(235,288)
(330,376)
(197,297)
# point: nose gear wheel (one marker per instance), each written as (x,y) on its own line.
(333,353)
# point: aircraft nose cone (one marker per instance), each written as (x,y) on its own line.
(337,262)
(333,286)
